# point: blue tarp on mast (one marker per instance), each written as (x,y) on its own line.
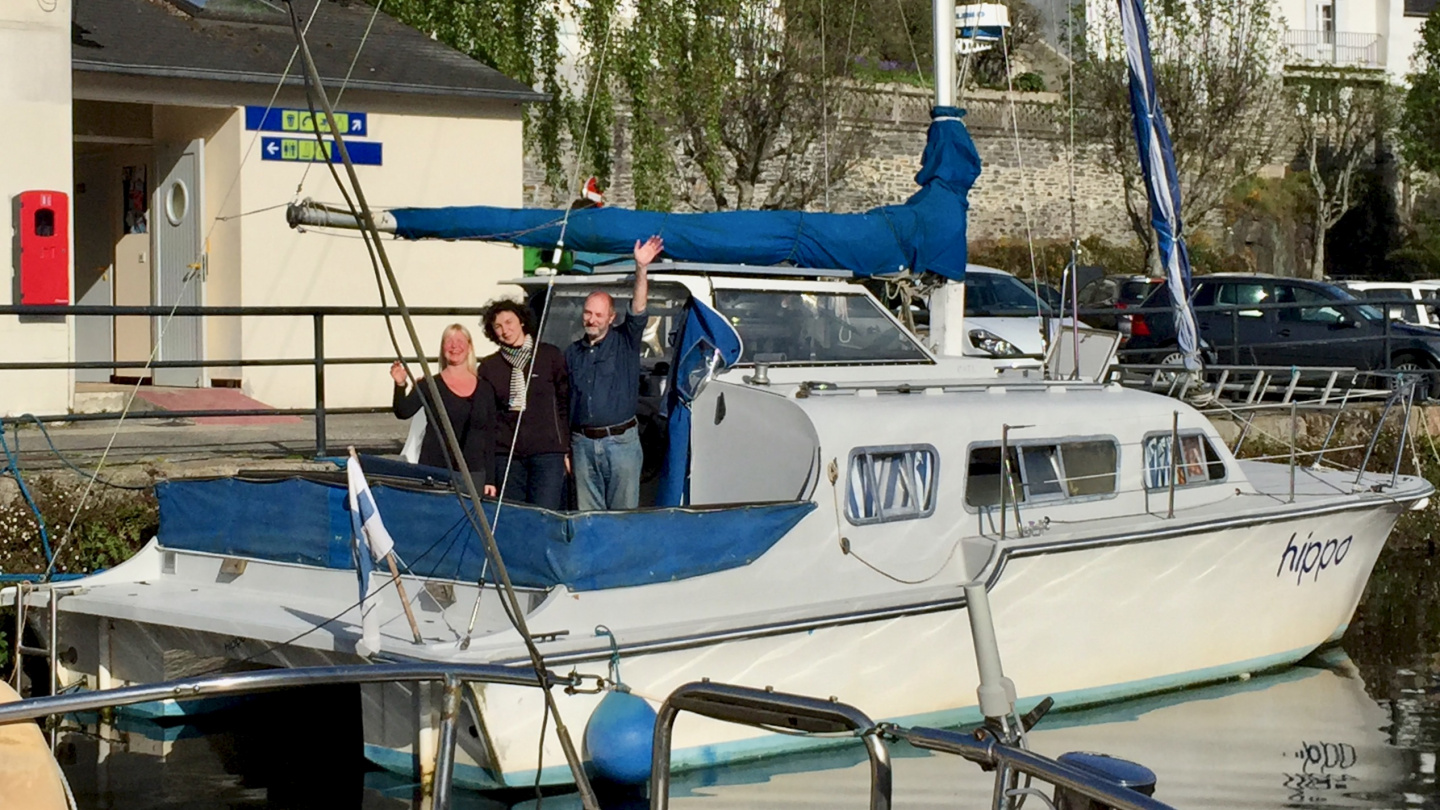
(925,233)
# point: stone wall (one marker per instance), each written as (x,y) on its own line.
(892,126)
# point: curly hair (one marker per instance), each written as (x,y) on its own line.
(487,320)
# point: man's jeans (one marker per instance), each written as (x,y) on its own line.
(537,479)
(607,471)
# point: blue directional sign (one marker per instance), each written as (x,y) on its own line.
(281,119)
(307,150)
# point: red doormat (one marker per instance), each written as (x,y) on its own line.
(212,399)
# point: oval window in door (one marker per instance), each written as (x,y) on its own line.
(177,202)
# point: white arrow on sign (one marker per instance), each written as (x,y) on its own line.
(355,125)
(272,147)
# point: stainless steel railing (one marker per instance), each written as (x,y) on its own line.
(768,709)
(248,683)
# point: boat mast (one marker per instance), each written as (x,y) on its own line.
(947,301)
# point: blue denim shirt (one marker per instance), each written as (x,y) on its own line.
(605,377)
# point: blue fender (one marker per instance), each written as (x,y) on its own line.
(619,738)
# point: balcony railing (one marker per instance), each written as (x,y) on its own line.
(1337,48)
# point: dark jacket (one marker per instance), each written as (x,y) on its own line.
(545,427)
(473,418)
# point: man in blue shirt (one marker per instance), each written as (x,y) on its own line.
(604,391)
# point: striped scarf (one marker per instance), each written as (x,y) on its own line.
(519,359)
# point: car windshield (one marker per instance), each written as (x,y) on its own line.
(1132,291)
(804,328)
(1369,312)
(1000,295)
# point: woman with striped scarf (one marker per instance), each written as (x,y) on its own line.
(532,406)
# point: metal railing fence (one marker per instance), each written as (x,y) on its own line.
(318,359)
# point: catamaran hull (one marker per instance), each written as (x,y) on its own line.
(1083,623)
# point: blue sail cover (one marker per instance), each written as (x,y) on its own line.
(925,233)
(1162,182)
(706,344)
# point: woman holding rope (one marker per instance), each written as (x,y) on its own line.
(532,405)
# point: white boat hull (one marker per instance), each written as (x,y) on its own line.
(1083,626)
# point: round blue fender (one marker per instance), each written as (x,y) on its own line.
(619,738)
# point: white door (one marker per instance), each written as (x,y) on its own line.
(95,202)
(179,265)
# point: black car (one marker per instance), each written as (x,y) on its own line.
(1242,321)
(1115,292)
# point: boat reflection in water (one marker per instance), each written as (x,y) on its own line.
(1307,735)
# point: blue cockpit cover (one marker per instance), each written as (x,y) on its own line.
(925,233)
(705,345)
(307,521)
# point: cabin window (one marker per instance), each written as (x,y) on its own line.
(891,483)
(1197,463)
(1043,471)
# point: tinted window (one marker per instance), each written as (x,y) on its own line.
(1000,294)
(562,323)
(1244,294)
(1135,290)
(779,326)
(1042,471)
(1324,311)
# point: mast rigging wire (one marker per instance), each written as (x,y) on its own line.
(587,795)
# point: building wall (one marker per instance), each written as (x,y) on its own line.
(36,145)
(428,161)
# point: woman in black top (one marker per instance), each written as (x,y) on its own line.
(532,407)
(466,399)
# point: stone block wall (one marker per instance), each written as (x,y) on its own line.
(1024,152)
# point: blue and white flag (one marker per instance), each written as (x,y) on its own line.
(1162,182)
(371,543)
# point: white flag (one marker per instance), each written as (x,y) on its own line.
(364,514)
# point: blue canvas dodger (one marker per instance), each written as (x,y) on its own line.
(306,520)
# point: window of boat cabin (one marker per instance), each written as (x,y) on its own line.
(791,326)
(664,309)
(1197,463)
(891,483)
(1043,471)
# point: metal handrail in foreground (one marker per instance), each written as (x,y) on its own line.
(771,710)
(269,680)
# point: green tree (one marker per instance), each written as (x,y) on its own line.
(519,38)
(1217,67)
(1419,130)
(1341,117)
(748,94)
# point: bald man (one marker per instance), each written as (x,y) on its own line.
(604,391)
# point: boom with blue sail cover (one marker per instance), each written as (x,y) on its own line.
(1162,182)
(925,233)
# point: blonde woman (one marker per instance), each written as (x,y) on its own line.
(468,400)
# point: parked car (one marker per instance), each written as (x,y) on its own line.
(1389,294)
(1238,326)
(1047,293)
(1115,292)
(1003,316)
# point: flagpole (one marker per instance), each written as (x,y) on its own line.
(394,572)
(404,601)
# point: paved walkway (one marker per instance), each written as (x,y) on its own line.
(181,445)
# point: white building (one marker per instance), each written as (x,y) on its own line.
(1376,34)
(151,116)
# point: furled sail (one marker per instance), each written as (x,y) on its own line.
(1162,182)
(925,233)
